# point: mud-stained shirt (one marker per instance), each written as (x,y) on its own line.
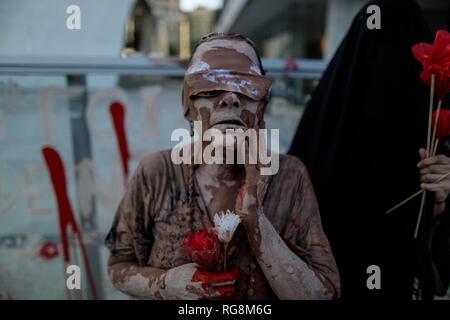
(153,219)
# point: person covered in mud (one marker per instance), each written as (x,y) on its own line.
(280,248)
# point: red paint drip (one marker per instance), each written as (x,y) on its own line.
(117,111)
(66,218)
(48,250)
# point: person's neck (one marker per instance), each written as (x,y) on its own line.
(228,172)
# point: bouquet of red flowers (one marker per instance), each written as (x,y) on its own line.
(435,59)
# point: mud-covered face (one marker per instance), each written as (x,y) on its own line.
(224,88)
(227,110)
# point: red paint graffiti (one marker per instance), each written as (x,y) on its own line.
(48,251)
(56,169)
(117,111)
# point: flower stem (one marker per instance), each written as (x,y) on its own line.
(430,112)
(433,137)
(436,143)
(442,177)
(429,151)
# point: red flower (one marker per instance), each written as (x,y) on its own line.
(203,248)
(443,124)
(435,60)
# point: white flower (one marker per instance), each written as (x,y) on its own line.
(226,224)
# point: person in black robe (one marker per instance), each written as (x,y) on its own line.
(359,138)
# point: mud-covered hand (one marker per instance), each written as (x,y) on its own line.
(246,201)
(189,282)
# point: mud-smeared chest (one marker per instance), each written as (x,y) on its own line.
(171,224)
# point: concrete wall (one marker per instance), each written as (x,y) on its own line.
(29,27)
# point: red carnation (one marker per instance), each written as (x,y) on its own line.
(443,124)
(435,60)
(203,248)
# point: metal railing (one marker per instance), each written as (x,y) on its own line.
(298,68)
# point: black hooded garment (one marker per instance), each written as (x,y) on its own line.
(359,138)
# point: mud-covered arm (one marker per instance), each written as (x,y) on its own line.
(299,264)
(157,284)
(136,281)
(129,241)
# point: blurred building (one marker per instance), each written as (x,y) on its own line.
(280,29)
(185,36)
(201,22)
(303,28)
(153,28)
